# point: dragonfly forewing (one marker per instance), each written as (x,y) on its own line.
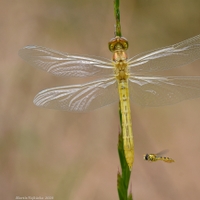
(169,57)
(79,98)
(64,64)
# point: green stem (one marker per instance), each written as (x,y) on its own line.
(117,17)
(123,177)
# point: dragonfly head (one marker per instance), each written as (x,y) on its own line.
(118,43)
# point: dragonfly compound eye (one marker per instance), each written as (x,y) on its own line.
(124,43)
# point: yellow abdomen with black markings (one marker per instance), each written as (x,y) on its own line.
(126,122)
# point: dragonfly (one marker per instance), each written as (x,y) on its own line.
(158,156)
(120,79)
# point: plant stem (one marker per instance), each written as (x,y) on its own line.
(117,17)
(123,177)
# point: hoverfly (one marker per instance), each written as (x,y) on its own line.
(158,156)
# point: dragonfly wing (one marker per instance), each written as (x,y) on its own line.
(79,98)
(165,58)
(64,64)
(160,91)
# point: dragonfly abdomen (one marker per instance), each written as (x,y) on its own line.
(126,122)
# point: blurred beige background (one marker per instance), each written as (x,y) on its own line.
(74,156)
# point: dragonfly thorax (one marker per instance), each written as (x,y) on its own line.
(120,64)
(121,69)
(119,55)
